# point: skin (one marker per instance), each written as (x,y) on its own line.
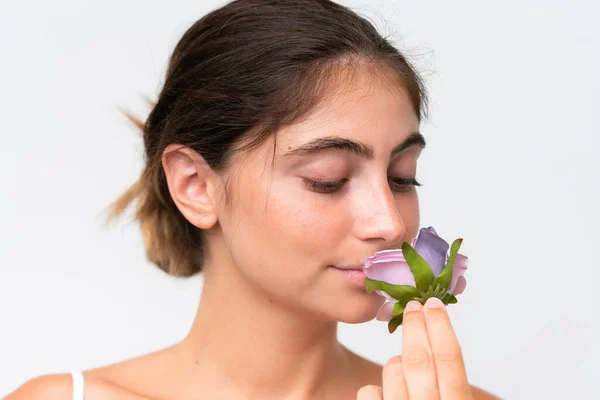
(267,320)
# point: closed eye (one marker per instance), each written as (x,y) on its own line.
(400,185)
(403,185)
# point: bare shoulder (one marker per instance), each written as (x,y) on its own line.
(60,387)
(142,377)
(134,379)
(50,387)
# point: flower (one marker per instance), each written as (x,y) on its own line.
(418,271)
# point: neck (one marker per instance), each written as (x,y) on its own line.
(248,345)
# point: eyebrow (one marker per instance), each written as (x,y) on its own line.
(361,149)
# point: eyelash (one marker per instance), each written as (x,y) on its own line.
(332,187)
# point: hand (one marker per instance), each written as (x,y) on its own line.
(431,367)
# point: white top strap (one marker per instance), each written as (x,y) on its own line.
(78,385)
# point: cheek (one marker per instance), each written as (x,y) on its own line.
(284,236)
(307,222)
(408,206)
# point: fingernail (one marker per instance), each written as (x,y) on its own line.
(412,305)
(434,302)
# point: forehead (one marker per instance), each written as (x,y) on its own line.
(370,107)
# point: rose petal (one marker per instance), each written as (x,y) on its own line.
(461,284)
(430,229)
(385,311)
(461,263)
(433,249)
(385,255)
(390,267)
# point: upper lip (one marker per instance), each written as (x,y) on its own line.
(349,267)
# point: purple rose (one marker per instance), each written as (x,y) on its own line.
(390,266)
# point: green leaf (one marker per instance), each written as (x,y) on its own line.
(402,293)
(395,323)
(445,277)
(449,299)
(418,266)
(398,309)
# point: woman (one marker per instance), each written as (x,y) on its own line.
(282,151)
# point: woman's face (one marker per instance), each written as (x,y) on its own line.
(329,198)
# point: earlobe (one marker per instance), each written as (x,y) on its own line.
(192,185)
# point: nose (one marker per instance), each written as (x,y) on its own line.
(378,217)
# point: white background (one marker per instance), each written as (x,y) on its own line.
(512,166)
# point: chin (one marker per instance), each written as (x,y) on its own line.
(357,311)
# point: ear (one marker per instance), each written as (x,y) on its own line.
(193,185)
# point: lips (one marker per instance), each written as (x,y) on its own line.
(349,267)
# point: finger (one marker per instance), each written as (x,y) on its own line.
(447,355)
(417,357)
(370,392)
(394,385)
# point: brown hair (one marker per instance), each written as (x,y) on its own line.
(241,72)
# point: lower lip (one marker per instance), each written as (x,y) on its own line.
(356,276)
